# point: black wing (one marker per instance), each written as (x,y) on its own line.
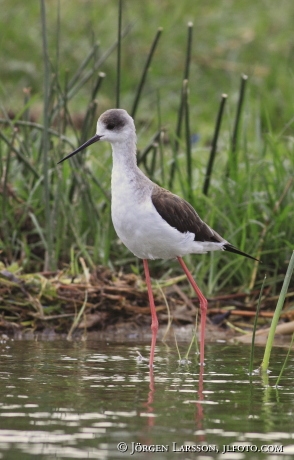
(179,214)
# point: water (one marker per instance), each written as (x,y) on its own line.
(81,399)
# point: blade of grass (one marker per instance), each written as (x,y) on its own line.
(254,328)
(177,347)
(195,333)
(169,316)
(190,346)
(4,178)
(142,155)
(285,361)
(58,34)
(32,125)
(20,156)
(91,109)
(77,318)
(4,224)
(75,79)
(98,183)
(38,228)
(153,162)
(270,339)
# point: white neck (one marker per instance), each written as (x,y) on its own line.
(127,180)
(124,158)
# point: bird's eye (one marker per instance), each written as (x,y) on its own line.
(110,126)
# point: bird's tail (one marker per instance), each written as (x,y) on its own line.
(228,247)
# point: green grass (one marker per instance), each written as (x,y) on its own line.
(50,212)
(229,39)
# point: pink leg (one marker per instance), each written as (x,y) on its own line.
(203,307)
(154,320)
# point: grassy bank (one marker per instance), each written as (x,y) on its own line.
(53,216)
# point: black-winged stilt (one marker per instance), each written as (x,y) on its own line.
(152,222)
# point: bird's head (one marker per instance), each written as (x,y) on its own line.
(114,126)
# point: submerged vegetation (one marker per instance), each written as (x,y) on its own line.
(230,155)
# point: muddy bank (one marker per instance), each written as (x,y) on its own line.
(115,306)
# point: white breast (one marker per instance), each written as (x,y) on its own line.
(145,233)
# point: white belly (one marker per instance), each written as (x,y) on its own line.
(147,235)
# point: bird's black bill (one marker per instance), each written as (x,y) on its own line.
(230,248)
(93,139)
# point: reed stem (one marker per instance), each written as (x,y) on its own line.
(188,138)
(244,80)
(145,72)
(181,107)
(233,160)
(118,62)
(48,262)
(213,149)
